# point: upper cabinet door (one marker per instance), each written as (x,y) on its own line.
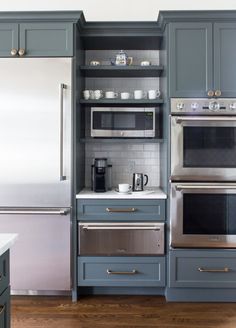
(46,39)
(225,58)
(190,61)
(8,39)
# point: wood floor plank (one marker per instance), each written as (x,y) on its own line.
(118,312)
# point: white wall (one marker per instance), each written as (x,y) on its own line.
(120,10)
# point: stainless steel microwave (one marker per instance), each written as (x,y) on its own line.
(120,122)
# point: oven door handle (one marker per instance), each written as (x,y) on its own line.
(197,187)
(180,119)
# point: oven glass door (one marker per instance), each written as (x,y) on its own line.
(203,215)
(203,148)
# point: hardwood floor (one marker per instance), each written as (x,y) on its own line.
(119,311)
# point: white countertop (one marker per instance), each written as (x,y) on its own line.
(149,193)
(6,241)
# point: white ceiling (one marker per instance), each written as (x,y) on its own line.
(120,10)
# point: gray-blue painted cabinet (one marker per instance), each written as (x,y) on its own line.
(36,39)
(202,59)
(4,291)
(122,271)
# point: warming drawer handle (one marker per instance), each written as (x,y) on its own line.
(122,272)
(121,210)
(85,227)
(2,309)
(62,88)
(182,187)
(181,119)
(33,212)
(214,270)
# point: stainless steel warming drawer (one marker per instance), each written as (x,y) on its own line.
(121,238)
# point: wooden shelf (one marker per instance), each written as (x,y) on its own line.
(122,103)
(122,71)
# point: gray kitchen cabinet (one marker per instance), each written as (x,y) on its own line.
(4,291)
(36,39)
(122,210)
(8,38)
(190,60)
(224,58)
(202,59)
(121,271)
(202,268)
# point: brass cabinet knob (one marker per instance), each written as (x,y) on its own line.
(210,93)
(21,52)
(13,52)
(217,93)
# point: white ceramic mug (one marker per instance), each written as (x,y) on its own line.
(145,63)
(139,94)
(111,94)
(86,94)
(153,94)
(125,95)
(98,94)
(124,187)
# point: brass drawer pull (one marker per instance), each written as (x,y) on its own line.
(121,210)
(2,309)
(122,272)
(214,270)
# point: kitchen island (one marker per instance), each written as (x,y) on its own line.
(6,241)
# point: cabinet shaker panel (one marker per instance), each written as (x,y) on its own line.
(47,39)
(224,58)
(190,59)
(8,39)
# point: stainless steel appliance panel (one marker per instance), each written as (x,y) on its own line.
(222,151)
(126,126)
(35,132)
(121,238)
(40,260)
(207,240)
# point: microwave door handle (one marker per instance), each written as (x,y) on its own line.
(180,119)
(197,187)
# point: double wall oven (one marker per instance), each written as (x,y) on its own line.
(203,173)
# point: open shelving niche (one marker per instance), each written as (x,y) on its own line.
(139,40)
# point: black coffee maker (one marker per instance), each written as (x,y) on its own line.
(100,175)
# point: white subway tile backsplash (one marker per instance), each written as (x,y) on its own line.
(126,159)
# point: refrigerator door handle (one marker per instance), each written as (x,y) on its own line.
(62,88)
(31,211)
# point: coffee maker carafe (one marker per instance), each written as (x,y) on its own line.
(100,175)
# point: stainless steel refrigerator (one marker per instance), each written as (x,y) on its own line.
(36,170)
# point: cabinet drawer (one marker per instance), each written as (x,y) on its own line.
(5,309)
(47,39)
(200,268)
(145,210)
(4,271)
(117,271)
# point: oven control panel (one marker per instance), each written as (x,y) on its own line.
(222,106)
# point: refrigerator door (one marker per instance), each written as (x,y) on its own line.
(40,259)
(35,132)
